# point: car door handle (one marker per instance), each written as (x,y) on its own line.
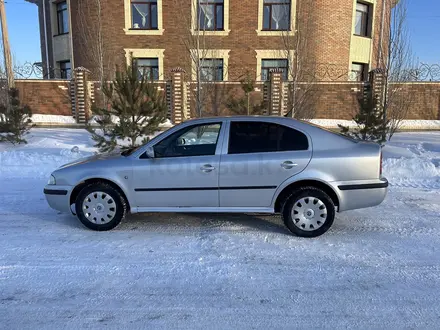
(207,168)
(288,165)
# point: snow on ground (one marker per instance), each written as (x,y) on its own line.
(53,119)
(331,123)
(377,268)
(413,160)
(405,124)
(66,120)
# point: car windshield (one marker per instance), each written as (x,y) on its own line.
(131,151)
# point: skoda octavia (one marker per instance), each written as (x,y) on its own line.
(231,164)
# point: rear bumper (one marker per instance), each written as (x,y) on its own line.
(361,194)
(58,197)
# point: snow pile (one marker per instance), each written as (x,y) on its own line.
(47,149)
(331,123)
(414,172)
(53,119)
(166,124)
(411,163)
(406,124)
(22,164)
(59,119)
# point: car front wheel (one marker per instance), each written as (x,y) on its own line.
(100,207)
(308,212)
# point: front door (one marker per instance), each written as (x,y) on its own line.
(184,171)
(260,157)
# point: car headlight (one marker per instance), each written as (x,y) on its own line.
(52,180)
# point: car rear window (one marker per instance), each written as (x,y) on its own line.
(257,137)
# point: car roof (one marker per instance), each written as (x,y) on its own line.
(244,118)
(288,121)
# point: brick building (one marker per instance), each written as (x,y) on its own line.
(230,37)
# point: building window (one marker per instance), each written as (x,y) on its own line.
(62,18)
(148,67)
(211,15)
(65,70)
(267,65)
(211,69)
(144,14)
(362,24)
(276,15)
(359,72)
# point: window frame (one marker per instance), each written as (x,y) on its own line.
(186,129)
(367,16)
(285,76)
(149,4)
(64,14)
(131,53)
(215,4)
(228,145)
(270,5)
(364,72)
(150,67)
(213,68)
(64,70)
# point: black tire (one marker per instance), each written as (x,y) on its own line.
(294,198)
(119,203)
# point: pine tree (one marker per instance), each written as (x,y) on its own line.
(15,119)
(242,105)
(135,111)
(369,120)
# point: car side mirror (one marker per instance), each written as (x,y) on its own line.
(150,152)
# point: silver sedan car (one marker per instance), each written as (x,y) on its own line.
(229,164)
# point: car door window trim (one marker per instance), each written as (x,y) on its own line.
(185,130)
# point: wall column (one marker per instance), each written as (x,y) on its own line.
(82,103)
(276,92)
(377,86)
(178,96)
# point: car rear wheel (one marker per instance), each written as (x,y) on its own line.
(100,207)
(308,212)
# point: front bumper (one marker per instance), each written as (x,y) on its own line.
(58,197)
(361,194)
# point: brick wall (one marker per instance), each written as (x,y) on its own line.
(216,96)
(335,100)
(45,96)
(420,101)
(423,99)
(326,26)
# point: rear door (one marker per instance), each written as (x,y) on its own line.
(260,156)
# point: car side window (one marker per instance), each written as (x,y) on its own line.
(196,140)
(256,137)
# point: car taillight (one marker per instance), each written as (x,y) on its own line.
(380,172)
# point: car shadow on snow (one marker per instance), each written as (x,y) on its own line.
(174,222)
(215,222)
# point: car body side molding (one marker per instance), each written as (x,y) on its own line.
(207,188)
(383,184)
(55,192)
